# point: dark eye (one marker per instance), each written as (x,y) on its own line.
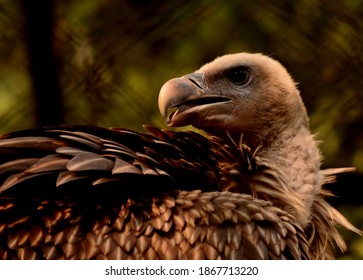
(238,75)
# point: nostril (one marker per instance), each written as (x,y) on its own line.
(194,82)
(196,79)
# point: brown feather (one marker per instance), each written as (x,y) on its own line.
(89,161)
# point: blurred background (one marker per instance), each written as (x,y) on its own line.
(103,62)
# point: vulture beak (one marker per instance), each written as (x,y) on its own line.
(181,99)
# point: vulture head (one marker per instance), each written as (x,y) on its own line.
(249,94)
(251,97)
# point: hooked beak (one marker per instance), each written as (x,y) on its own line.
(181,98)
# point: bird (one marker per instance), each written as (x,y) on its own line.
(247,185)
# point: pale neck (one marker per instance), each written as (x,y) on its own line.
(295,156)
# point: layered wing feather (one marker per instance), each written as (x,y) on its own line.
(78,192)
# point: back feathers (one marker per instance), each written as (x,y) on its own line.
(76,192)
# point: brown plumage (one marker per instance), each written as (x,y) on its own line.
(251,189)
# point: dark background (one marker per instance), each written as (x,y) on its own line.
(103,63)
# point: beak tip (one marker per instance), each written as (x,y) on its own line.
(172,94)
(165,97)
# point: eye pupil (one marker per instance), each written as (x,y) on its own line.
(238,76)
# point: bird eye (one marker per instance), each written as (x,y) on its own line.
(238,75)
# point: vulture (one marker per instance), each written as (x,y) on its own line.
(249,186)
